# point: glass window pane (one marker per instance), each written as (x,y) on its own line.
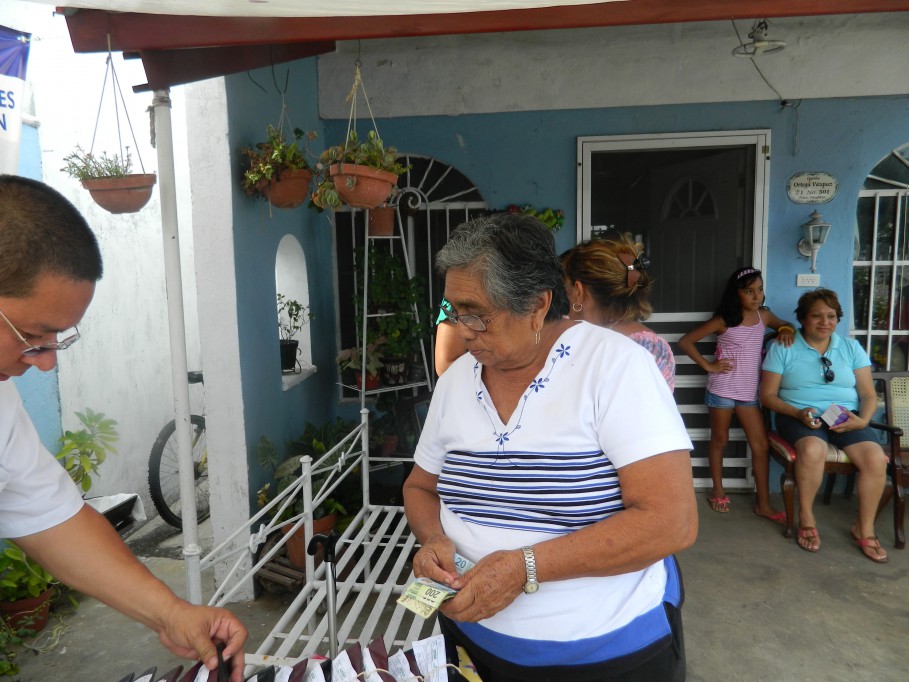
(903,250)
(864,227)
(885,227)
(880,307)
(860,294)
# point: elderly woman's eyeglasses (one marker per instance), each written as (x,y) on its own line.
(828,373)
(472,322)
(32,350)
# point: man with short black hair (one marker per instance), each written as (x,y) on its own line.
(49,264)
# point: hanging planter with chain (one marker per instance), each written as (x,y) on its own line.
(359,173)
(109,178)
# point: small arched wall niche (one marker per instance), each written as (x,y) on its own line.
(291,281)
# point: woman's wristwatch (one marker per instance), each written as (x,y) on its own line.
(530,564)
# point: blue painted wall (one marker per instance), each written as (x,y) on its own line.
(39,390)
(281,415)
(530,157)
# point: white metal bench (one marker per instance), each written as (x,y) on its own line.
(372,566)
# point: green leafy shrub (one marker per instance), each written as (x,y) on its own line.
(269,159)
(83,451)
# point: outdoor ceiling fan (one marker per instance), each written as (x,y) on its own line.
(759,44)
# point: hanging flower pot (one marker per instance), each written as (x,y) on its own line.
(277,170)
(361,173)
(125,194)
(382,221)
(362,186)
(289,190)
(109,178)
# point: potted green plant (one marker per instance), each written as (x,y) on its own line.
(277,169)
(26,590)
(110,180)
(292,317)
(393,324)
(358,173)
(399,334)
(352,358)
(390,286)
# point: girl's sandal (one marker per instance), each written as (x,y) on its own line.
(719,504)
(811,538)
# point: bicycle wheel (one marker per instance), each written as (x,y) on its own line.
(164,477)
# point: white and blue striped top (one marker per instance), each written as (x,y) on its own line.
(599,404)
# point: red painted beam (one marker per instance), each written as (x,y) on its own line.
(165,68)
(130,31)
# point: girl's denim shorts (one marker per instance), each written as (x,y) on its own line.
(718,401)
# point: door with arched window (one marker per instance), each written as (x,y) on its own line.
(696,201)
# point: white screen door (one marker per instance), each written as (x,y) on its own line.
(698,202)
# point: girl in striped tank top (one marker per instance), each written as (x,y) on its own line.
(732,380)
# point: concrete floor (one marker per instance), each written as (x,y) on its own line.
(757,607)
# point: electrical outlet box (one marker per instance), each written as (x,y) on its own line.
(807,280)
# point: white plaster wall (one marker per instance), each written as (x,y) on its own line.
(209,156)
(834,56)
(121,366)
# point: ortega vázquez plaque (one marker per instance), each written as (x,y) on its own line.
(811,188)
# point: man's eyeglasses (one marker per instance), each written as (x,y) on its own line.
(828,373)
(472,322)
(32,350)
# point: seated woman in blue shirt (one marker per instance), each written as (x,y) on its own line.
(799,383)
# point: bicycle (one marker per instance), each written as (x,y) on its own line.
(164,472)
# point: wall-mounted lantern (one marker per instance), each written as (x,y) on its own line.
(814,234)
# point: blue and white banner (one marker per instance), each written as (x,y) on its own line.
(13,61)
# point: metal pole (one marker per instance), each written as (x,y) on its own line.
(167,187)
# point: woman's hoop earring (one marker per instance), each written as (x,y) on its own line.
(536,337)
(577,307)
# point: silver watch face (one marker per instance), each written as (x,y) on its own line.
(531,586)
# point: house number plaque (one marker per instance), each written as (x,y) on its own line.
(811,188)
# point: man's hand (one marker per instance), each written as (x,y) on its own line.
(192,632)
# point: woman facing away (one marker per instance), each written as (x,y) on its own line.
(608,285)
(537,463)
(740,323)
(799,383)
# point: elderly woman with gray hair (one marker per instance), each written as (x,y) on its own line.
(554,458)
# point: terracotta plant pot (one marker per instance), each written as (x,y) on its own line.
(382,221)
(121,195)
(289,190)
(31,613)
(297,542)
(362,186)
